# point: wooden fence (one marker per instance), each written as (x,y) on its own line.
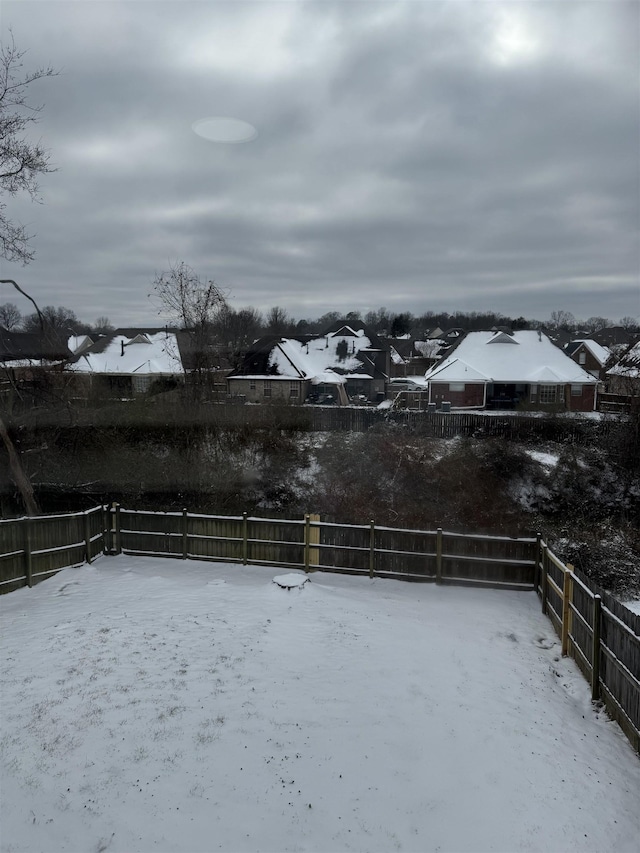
(32,549)
(162,416)
(509,426)
(599,633)
(595,629)
(314,545)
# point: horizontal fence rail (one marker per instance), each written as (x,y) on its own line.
(599,633)
(596,630)
(313,544)
(34,548)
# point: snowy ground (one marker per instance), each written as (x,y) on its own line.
(152,705)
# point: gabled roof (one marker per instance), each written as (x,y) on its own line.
(77,343)
(628,364)
(528,357)
(600,353)
(612,336)
(142,353)
(329,358)
(32,346)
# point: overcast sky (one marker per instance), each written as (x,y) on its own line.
(415,155)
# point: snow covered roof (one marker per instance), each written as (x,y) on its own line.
(79,342)
(523,356)
(143,353)
(629,364)
(600,353)
(326,359)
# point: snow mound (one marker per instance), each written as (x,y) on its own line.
(290,581)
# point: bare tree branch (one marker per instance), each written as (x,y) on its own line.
(21,161)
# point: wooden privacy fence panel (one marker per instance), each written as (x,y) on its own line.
(600,634)
(279,542)
(34,548)
(216,538)
(489,559)
(140,532)
(428,555)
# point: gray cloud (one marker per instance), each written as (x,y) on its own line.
(444,156)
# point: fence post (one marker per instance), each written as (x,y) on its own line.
(439,555)
(545,578)
(567,591)
(115,530)
(87,537)
(106,530)
(185,521)
(27,552)
(314,539)
(536,571)
(372,548)
(245,539)
(307,528)
(595,650)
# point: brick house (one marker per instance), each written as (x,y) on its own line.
(507,370)
(347,363)
(590,355)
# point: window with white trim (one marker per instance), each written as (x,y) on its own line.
(576,390)
(456,386)
(294,389)
(266,390)
(582,357)
(548,394)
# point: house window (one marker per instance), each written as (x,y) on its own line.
(576,390)
(141,384)
(267,388)
(252,384)
(294,390)
(582,357)
(456,386)
(548,393)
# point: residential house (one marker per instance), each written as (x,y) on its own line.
(504,370)
(348,363)
(410,357)
(127,362)
(590,355)
(22,352)
(624,376)
(613,336)
(31,363)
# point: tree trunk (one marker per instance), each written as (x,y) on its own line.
(17,473)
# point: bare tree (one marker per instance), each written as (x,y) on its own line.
(102,326)
(630,324)
(195,305)
(235,331)
(55,319)
(562,320)
(18,474)
(278,321)
(21,161)
(596,324)
(10,316)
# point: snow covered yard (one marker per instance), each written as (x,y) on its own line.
(161,705)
